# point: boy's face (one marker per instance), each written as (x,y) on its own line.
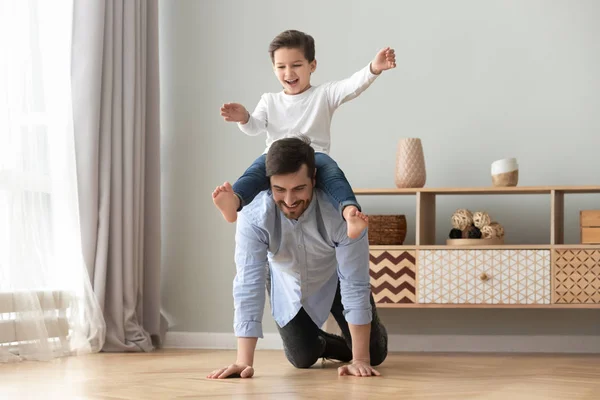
(293,69)
(293,192)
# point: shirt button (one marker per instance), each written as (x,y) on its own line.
(299,246)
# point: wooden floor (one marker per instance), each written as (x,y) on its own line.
(180,374)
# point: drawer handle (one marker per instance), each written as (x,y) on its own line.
(484,277)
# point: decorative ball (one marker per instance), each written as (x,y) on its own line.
(481,219)
(499,229)
(487,232)
(473,232)
(461,219)
(490,232)
(455,233)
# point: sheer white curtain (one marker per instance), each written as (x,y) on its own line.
(47,306)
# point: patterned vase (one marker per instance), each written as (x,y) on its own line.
(410,164)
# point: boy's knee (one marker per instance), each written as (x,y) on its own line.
(330,170)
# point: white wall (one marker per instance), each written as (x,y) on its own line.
(476,81)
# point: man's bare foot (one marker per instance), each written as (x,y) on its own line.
(226,201)
(356,220)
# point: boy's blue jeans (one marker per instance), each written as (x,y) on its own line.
(330,178)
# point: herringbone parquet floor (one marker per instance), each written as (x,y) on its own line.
(180,374)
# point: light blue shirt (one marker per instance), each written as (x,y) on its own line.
(306,257)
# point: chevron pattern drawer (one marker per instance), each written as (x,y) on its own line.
(393,275)
(484,276)
(577,276)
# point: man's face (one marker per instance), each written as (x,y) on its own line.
(293,192)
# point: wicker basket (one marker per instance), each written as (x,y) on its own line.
(387,229)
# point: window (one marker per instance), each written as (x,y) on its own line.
(47,307)
(34,123)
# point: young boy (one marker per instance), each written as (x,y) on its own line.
(300,109)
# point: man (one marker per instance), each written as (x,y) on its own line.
(292,239)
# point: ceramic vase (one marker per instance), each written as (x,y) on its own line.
(505,172)
(410,164)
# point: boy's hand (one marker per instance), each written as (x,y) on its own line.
(235,112)
(237,370)
(358,368)
(384,60)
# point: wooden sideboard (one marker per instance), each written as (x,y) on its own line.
(425,275)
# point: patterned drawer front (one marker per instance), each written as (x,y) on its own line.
(393,276)
(577,277)
(484,276)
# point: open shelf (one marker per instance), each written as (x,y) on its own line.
(481,190)
(425,216)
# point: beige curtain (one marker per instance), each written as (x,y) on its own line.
(115,81)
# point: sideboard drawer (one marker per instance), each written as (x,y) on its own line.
(484,276)
(577,276)
(392,275)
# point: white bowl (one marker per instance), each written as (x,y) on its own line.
(504,165)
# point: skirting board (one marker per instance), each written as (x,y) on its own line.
(412,343)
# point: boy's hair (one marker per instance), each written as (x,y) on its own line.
(295,40)
(286,156)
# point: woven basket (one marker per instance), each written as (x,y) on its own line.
(387,229)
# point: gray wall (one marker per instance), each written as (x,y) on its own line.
(476,81)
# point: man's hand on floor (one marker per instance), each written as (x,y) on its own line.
(358,368)
(233,371)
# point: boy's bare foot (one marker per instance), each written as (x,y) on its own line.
(226,201)
(356,220)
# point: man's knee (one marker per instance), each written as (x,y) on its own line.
(378,354)
(302,359)
(379,347)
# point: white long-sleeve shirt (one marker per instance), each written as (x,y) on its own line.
(309,113)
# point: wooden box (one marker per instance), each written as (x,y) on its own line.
(590,226)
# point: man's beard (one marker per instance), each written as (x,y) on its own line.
(300,207)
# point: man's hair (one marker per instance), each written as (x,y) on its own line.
(295,40)
(286,156)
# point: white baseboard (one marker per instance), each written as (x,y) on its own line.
(412,343)
(220,341)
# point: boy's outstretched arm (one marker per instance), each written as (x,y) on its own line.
(251,124)
(384,59)
(344,90)
(234,112)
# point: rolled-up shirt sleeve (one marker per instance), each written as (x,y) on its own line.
(353,271)
(249,282)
